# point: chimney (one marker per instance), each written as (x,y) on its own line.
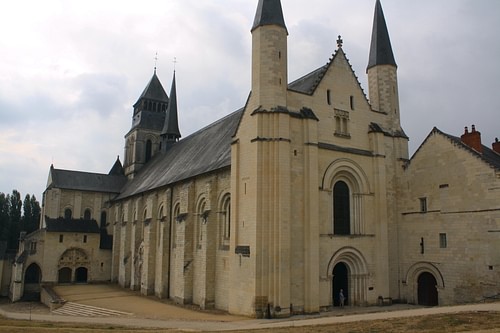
(496,146)
(472,139)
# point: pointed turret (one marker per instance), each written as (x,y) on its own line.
(380,49)
(269,12)
(170,132)
(382,72)
(269,55)
(117,169)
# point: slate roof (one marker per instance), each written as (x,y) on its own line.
(117,169)
(171,125)
(207,150)
(308,83)
(85,181)
(269,12)
(71,225)
(380,49)
(154,91)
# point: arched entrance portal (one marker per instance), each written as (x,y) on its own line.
(32,279)
(33,274)
(340,281)
(64,275)
(81,275)
(427,291)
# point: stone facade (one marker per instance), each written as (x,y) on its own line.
(273,209)
(450,222)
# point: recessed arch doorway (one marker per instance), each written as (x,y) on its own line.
(427,292)
(340,282)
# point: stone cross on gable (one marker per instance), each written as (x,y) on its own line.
(340,41)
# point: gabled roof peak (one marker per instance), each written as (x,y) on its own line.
(269,12)
(380,49)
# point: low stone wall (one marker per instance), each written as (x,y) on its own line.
(49,297)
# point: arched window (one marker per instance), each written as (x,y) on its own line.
(87,215)
(341,209)
(103,219)
(226,225)
(175,220)
(149,150)
(68,213)
(203,219)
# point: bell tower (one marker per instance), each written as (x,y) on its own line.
(142,142)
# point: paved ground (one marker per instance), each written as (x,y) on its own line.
(148,312)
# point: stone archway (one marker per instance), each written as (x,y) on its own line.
(81,275)
(32,279)
(424,281)
(64,275)
(348,271)
(74,260)
(340,282)
(33,274)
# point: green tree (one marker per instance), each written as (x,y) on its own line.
(4,217)
(31,214)
(15,207)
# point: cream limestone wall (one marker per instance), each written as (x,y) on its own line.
(56,201)
(185,270)
(463,196)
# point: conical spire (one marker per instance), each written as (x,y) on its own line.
(380,50)
(269,12)
(117,169)
(170,130)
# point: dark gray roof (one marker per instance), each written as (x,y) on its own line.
(380,49)
(269,12)
(488,155)
(207,150)
(171,126)
(85,181)
(154,91)
(117,169)
(71,225)
(308,83)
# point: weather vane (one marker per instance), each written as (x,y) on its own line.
(175,62)
(156,60)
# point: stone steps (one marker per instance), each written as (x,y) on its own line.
(81,310)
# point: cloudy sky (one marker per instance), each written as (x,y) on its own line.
(70,71)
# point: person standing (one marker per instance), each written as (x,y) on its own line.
(341,298)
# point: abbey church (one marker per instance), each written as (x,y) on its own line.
(272,210)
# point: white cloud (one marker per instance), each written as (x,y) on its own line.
(71,70)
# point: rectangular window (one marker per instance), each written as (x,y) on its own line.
(423,205)
(85,238)
(443,243)
(33,247)
(61,237)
